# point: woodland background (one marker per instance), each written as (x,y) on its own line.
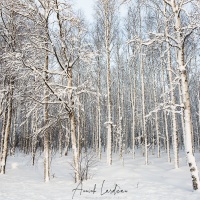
(114,86)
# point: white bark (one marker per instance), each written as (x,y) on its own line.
(143,108)
(182,114)
(14,132)
(199,122)
(67,138)
(7,130)
(46,133)
(71,109)
(156,121)
(3,128)
(185,94)
(99,112)
(34,137)
(133,103)
(165,119)
(73,127)
(107,29)
(172,95)
(79,123)
(60,142)
(119,128)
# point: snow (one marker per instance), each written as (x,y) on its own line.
(157,181)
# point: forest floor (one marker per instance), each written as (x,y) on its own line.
(127,180)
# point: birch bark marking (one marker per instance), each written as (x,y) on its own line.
(172,96)
(34,138)
(46,133)
(60,137)
(156,118)
(165,119)
(3,127)
(186,98)
(199,121)
(73,126)
(119,107)
(133,105)
(71,112)
(14,131)
(7,129)
(99,109)
(133,100)
(79,147)
(182,117)
(187,114)
(143,107)
(109,119)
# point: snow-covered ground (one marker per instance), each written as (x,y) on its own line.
(135,181)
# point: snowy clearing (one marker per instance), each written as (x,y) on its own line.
(159,180)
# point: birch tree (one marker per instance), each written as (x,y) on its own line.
(9,65)
(180,38)
(172,95)
(106,9)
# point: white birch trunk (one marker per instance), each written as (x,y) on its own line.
(156,121)
(73,127)
(99,112)
(7,130)
(60,142)
(79,123)
(153,138)
(34,138)
(119,128)
(133,103)
(67,138)
(132,90)
(70,100)
(199,123)
(14,132)
(174,121)
(186,98)
(107,38)
(3,129)
(74,146)
(97,131)
(182,114)
(165,119)
(46,133)
(123,118)
(143,108)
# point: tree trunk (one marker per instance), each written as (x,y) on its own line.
(133,103)
(119,127)
(143,108)
(186,100)
(3,128)
(14,133)
(109,110)
(73,126)
(156,120)
(173,108)
(165,119)
(46,132)
(99,111)
(7,130)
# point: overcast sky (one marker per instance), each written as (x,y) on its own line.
(87,7)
